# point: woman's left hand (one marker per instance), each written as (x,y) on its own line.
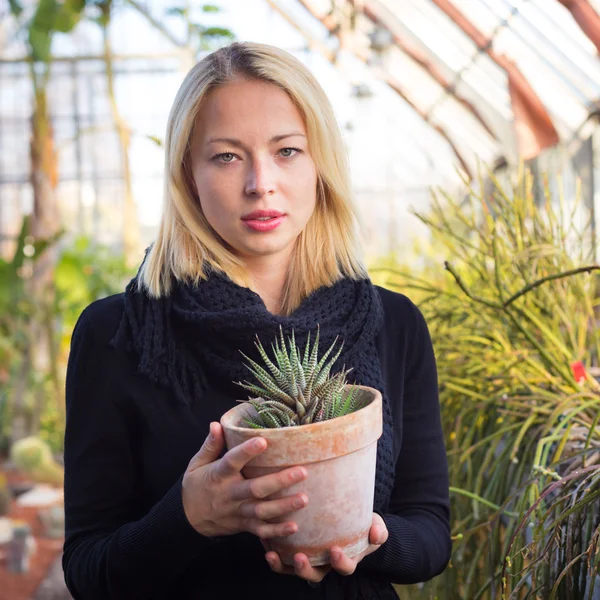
(341,563)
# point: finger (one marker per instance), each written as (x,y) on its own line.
(378,534)
(303,568)
(210,449)
(276,564)
(236,459)
(343,564)
(273,508)
(268,530)
(265,544)
(262,487)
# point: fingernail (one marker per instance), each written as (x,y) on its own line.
(258,444)
(299,502)
(335,554)
(298,563)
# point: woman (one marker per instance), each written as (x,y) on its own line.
(151,515)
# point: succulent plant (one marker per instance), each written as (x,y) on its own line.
(33,457)
(297,390)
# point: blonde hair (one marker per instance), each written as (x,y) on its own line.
(326,250)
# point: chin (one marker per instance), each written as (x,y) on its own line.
(266,248)
(262,251)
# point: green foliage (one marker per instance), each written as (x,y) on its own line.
(50,17)
(52,425)
(516,306)
(11,280)
(201,37)
(176,11)
(5,495)
(16,8)
(86,272)
(298,390)
(33,456)
(158,141)
(216,32)
(16,312)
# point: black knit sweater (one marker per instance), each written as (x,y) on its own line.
(127,446)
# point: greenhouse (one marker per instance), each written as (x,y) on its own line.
(471,133)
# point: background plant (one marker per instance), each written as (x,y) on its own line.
(515,308)
(20,387)
(85,272)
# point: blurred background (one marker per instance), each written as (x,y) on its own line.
(472,128)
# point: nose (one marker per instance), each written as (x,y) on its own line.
(260,179)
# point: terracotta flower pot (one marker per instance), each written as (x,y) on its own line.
(339,456)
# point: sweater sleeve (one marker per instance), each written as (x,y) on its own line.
(109,552)
(419,544)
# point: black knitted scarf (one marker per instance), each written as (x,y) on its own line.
(196,333)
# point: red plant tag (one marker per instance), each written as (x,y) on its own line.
(578,371)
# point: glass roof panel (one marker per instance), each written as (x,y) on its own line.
(462,125)
(419,86)
(434,29)
(565,46)
(500,125)
(546,43)
(482,16)
(551,89)
(484,74)
(483,79)
(564,23)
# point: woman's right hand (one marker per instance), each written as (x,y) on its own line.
(218,500)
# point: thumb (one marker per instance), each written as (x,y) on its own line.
(211,449)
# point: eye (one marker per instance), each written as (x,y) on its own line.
(223,155)
(290,155)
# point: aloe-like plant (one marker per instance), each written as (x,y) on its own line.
(515,310)
(298,390)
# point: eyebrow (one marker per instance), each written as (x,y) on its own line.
(235,142)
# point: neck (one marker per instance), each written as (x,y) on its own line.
(268,280)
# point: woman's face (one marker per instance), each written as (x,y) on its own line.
(249,152)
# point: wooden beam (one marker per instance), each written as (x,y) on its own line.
(423,61)
(587,18)
(533,125)
(388,79)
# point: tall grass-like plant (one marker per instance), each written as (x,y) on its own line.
(511,315)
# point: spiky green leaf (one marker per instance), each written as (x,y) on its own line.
(286,361)
(276,372)
(252,423)
(298,389)
(344,406)
(325,370)
(271,389)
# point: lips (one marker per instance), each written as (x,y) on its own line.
(264,225)
(262,214)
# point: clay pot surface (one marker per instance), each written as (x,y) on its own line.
(339,456)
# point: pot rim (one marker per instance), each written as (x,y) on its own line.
(313,442)
(228,415)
